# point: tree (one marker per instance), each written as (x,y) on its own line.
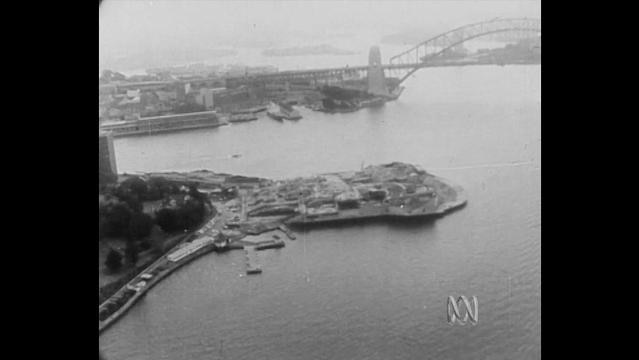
(136,186)
(194,193)
(131,252)
(107,75)
(167,219)
(113,261)
(140,226)
(191,213)
(117,220)
(158,187)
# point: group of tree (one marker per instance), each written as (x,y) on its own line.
(186,216)
(113,261)
(123,215)
(136,188)
(108,76)
(120,220)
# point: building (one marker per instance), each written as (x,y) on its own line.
(230,97)
(205,97)
(189,248)
(165,123)
(133,93)
(108,169)
(165,96)
(182,90)
(348,199)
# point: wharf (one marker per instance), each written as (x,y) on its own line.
(235,118)
(165,268)
(252,110)
(287,231)
(273,244)
(251,260)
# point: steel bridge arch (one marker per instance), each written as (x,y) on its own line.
(434,47)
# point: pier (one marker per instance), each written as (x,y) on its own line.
(252,266)
(287,231)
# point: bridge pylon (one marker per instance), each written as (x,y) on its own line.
(376,79)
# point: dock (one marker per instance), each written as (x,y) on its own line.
(251,260)
(287,231)
(273,244)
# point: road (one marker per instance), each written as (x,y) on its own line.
(160,268)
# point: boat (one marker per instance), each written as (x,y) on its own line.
(275,115)
(234,118)
(221,245)
(252,110)
(289,112)
(253,270)
(270,245)
(283,111)
(376,101)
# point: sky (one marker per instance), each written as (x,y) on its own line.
(130,27)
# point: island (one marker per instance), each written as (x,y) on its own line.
(231,212)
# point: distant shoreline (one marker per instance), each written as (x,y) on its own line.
(307,50)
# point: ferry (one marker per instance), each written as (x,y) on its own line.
(252,110)
(283,111)
(275,115)
(289,112)
(234,118)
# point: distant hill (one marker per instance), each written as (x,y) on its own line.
(307,50)
(406,38)
(144,59)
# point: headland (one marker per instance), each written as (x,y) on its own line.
(246,208)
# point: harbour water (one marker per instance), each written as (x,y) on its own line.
(365,291)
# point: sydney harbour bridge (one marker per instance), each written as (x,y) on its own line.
(385,79)
(433,52)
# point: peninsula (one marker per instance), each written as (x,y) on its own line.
(244,207)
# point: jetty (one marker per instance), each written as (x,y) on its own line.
(287,231)
(251,260)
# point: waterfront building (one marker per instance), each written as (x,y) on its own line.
(133,93)
(166,123)
(348,199)
(107,89)
(205,98)
(182,90)
(230,96)
(165,96)
(108,169)
(189,248)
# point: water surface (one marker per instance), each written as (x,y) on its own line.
(375,290)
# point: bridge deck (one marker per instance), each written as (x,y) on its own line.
(318,73)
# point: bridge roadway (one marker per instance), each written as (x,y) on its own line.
(313,73)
